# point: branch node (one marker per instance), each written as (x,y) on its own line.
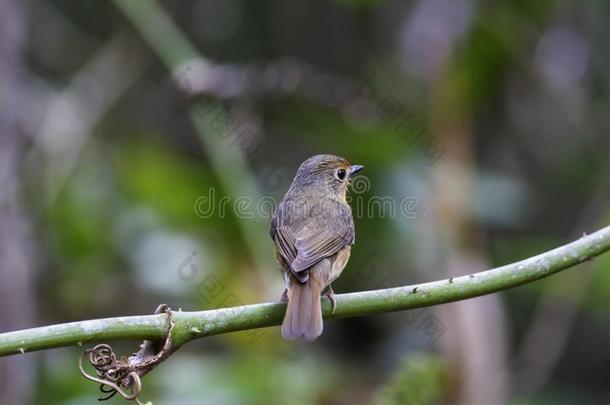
(124,375)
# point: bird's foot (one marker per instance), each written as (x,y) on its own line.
(284,297)
(331,297)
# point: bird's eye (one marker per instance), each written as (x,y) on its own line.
(341,174)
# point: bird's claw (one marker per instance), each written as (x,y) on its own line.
(331,297)
(284,297)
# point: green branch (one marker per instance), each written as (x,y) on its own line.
(193,325)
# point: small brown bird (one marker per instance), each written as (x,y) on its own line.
(313,231)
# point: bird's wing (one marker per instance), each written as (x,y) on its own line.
(323,236)
(283,236)
(324,233)
(312,248)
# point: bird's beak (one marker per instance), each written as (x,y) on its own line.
(355,169)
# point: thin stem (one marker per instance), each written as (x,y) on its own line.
(227,148)
(193,325)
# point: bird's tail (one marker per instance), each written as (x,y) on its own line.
(303,319)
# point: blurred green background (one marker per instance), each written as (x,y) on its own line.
(142,143)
